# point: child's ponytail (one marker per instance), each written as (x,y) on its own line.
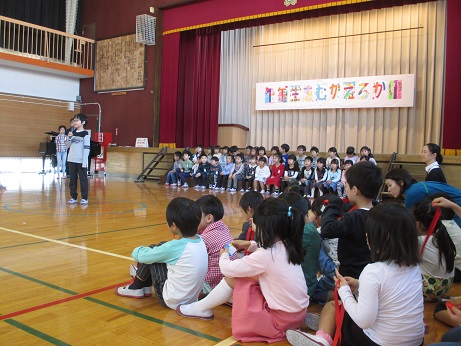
(424,212)
(276,221)
(293,236)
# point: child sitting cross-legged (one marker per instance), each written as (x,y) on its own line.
(268,286)
(177,268)
(215,234)
(389,307)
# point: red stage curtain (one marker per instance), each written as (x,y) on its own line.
(198,88)
(168,99)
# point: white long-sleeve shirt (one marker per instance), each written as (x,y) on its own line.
(261,174)
(390,305)
(282,284)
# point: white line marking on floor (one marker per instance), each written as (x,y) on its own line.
(66,244)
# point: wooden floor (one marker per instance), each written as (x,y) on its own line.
(59,265)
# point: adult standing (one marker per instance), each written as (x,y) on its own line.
(431,155)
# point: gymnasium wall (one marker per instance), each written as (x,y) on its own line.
(127,115)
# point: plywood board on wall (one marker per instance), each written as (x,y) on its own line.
(120,64)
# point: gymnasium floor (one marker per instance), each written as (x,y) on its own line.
(59,265)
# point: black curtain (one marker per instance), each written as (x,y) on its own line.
(47,13)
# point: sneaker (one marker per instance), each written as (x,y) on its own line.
(275,193)
(72,201)
(267,192)
(312,321)
(232,190)
(210,186)
(197,187)
(84,201)
(126,292)
(298,338)
(222,188)
(262,192)
(242,190)
(166,184)
(203,187)
(147,291)
(133,270)
(185,185)
(187,310)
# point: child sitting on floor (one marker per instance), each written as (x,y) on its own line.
(177,269)
(389,308)
(268,286)
(215,234)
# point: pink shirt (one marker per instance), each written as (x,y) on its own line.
(215,236)
(282,283)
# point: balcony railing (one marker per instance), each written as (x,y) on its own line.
(37,42)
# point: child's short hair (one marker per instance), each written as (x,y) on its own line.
(322,160)
(248,147)
(252,199)
(214,158)
(309,158)
(62,127)
(231,156)
(262,159)
(177,153)
(217,147)
(233,149)
(240,155)
(364,158)
(392,234)
(301,147)
(82,117)
(367,177)
(279,155)
(275,148)
(263,149)
(285,147)
(199,146)
(202,155)
(333,150)
(348,162)
(187,153)
(296,200)
(211,205)
(314,149)
(334,161)
(252,157)
(350,151)
(291,157)
(225,147)
(185,214)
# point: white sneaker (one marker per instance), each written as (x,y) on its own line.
(84,201)
(298,338)
(185,185)
(127,292)
(72,201)
(242,190)
(188,310)
(223,189)
(197,187)
(312,321)
(203,187)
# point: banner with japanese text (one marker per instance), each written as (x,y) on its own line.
(352,92)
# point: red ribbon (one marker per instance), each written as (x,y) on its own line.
(431,228)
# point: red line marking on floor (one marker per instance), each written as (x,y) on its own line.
(56,302)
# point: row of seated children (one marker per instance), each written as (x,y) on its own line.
(222,153)
(389,242)
(400,269)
